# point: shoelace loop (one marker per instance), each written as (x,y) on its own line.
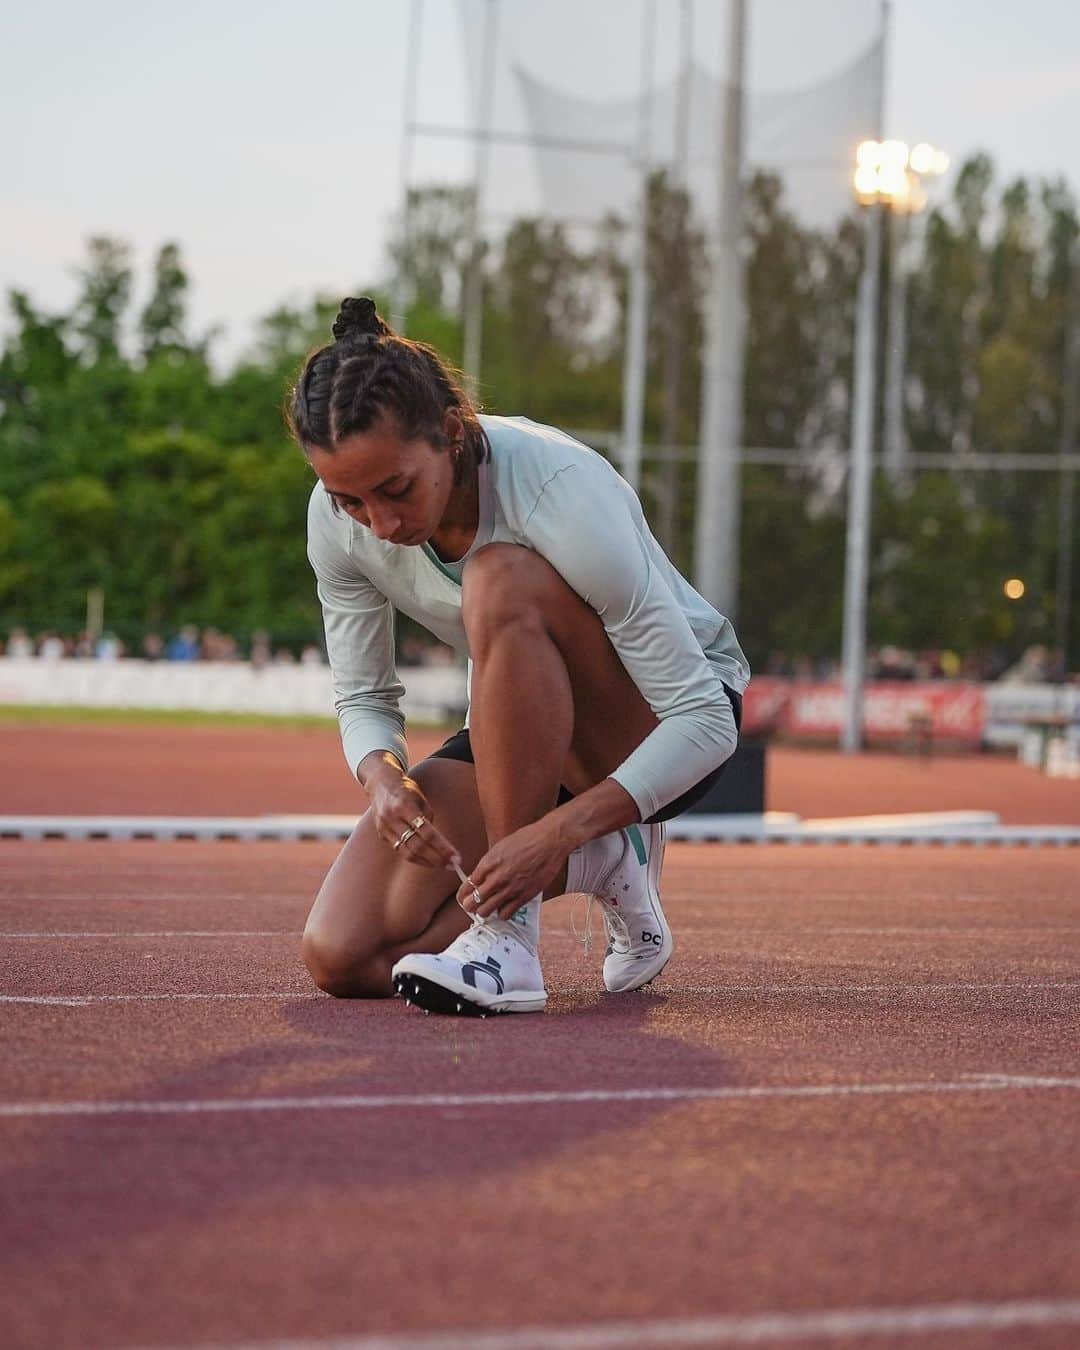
(615,925)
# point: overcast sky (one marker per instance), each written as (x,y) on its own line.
(265,136)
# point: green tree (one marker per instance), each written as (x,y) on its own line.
(161,324)
(105,281)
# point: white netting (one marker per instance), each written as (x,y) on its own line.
(567,112)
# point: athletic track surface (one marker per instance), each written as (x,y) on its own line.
(846,1115)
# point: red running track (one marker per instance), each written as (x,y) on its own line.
(886,1041)
(236,771)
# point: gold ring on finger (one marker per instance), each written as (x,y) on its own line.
(419,823)
(406,835)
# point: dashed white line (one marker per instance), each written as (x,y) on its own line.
(461,1100)
(733,1329)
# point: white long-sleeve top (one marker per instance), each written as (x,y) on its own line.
(545,491)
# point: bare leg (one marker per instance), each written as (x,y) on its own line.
(551,701)
(374,906)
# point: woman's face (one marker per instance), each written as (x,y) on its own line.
(399,489)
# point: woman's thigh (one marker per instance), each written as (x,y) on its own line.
(375,905)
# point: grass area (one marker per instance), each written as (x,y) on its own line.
(43,713)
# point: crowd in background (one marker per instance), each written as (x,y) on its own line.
(189,643)
(1037,665)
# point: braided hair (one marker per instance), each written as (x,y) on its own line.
(367,373)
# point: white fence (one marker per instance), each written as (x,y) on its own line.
(432,692)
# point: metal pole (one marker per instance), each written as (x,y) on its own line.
(717,526)
(674,310)
(857,569)
(895,357)
(400,303)
(474,277)
(635,359)
(1070,396)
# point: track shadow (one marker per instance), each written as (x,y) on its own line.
(101,1181)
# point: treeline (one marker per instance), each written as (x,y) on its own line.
(138,467)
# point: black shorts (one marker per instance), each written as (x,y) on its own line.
(459,747)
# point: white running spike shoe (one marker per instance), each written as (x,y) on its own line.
(639,942)
(489,968)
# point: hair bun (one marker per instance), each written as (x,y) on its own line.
(358,318)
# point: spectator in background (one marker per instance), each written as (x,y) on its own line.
(311,655)
(185,645)
(261,651)
(153,647)
(19,645)
(50,647)
(109,648)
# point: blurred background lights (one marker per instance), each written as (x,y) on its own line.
(890,171)
(1014,588)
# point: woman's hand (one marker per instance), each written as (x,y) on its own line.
(403,815)
(515,870)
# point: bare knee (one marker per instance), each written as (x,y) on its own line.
(506,586)
(342,970)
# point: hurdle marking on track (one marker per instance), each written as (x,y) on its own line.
(458,1100)
(733,1329)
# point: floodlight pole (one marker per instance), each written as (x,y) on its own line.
(635,359)
(716,543)
(400,303)
(1070,396)
(860,469)
(895,437)
(474,275)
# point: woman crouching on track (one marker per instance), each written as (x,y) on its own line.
(605,692)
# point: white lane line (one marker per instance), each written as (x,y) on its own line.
(143,897)
(734,1329)
(436,1100)
(718,932)
(86,1000)
(171,933)
(584,991)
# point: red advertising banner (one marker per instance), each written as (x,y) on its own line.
(893,709)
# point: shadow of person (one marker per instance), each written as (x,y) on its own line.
(101,1181)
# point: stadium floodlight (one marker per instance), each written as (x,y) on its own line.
(888,171)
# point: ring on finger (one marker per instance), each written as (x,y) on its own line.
(405,836)
(419,823)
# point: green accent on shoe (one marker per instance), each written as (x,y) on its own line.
(634,835)
(440,564)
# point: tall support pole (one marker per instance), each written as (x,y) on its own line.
(474,274)
(718,508)
(674,308)
(896,354)
(860,471)
(399,313)
(635,359)
(1070,397)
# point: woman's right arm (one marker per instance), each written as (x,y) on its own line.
(359,625)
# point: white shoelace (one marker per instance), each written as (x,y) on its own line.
(614,924)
